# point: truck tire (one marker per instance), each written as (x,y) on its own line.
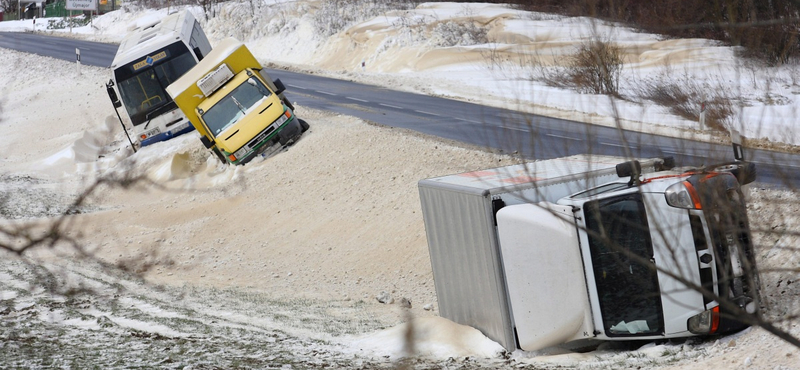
(219,155)
(304,125)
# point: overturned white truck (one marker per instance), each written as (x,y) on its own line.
(591,248)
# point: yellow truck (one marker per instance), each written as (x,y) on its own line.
(236,107)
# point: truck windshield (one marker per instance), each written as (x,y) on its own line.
(142,83)
(234,105)
(628,291)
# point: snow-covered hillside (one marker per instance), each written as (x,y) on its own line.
(279,263)
(494,54)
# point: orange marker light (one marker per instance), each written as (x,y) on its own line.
(693,194)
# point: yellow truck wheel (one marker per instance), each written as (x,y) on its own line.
(219,155)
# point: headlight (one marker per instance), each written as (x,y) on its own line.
(706,322)
(682,195)
(284,117)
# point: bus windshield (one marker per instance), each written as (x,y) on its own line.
(142,83)
(628,290)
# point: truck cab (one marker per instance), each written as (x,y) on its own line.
(655,251)
(244,115)
(234,105)
(691,224)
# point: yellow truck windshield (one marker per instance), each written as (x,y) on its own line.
(235,105)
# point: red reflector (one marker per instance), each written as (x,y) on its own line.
(232,157)
(714,320)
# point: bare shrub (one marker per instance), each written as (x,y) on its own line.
(209,9)
(685,97)
(19,238)
(412,30)
(335,15)
(453,33)
(767,29)
(594,69)
(794,71)
(494,57)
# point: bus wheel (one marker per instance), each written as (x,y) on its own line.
(304,125)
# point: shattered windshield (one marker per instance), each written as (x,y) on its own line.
(628,290)
(235,105)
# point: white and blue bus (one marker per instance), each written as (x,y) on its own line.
(149,59)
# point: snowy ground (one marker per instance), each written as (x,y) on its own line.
(324,228)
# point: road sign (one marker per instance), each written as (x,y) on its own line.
(81,5)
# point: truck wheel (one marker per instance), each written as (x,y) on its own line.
(304,125)
(219,155)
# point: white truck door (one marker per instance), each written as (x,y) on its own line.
(545,275)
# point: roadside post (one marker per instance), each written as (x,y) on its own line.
(78,59)
(738,154)
(736,142)
(703,115)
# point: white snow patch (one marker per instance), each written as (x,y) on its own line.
(433,337)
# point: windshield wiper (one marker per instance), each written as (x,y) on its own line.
(241,107)
(164,108)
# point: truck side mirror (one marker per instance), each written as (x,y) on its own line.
(113,94)
(279,86)
(206,141)
(630,168)
(745,173)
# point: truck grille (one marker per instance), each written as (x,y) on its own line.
(263,135)
(260,137)
(700,244)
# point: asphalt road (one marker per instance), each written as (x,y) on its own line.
(533,136)
(92,53)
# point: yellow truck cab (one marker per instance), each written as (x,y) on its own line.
(234,105)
